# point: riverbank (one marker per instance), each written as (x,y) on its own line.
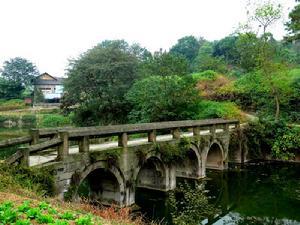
(25,199)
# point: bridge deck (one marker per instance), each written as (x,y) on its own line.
(47,156)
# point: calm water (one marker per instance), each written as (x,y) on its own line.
(256,194)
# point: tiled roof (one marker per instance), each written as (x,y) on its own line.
(58,81)
(54,81)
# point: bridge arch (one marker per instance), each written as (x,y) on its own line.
(191,165)
(101,184)
(152,174)
(215,158)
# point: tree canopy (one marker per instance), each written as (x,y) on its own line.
(17,75)
(165,64)
(187,47)
(167,98)
(293,26)
(98,80)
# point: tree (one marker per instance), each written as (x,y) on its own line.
(206,61)
(227,49)
(18,74)
(165,64)
(167,98)
(293,26)
(187,47)
(20,71)
(9,90)
(248,48)
(97,82)
(267,14)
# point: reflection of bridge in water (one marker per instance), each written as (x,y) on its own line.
(115,169)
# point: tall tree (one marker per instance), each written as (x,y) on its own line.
(293,26)
(266,14)
(163,98)
(165,64)
(17,74)
(97,82)
(188,47)
(20,71)
(206,61)
(248,48)
(227,49)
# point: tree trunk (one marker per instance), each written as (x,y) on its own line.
(277,107)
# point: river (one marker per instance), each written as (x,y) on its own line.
(258,193)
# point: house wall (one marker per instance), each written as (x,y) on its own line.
(51,91)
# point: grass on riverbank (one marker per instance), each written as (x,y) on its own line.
(24,200)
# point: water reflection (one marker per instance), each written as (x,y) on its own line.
(257,194)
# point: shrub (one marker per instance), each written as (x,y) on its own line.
(205,75)
(275,138)
(189,205)
(171,153)
(167,98)
(4,118)
(287,144)
(212,109)
(29,120)
(39,180)
(12,104)
(55,120)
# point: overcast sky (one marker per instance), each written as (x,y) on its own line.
(49,32)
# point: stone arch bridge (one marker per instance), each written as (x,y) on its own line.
(129,157)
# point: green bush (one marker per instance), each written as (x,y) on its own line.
(274,138)
(205,75)
(39,180)
(29,119)
(13,104)
(4,118)
(167,98)
(212,109)
(173,152)
(54,120)
(286,145)
(189,205)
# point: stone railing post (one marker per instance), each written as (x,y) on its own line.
(212,130)
(226,128)
(176,133)
(122,140)
(152,136)
(25,157)
(84,144)
(196,131)
(35,135)
(63,149)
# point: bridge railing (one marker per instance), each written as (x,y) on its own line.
(61,137)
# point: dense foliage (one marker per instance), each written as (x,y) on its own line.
(164,64)
(97,82)
(166,98)
(277,139)
(293,26)
(16,78)
(190,205)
